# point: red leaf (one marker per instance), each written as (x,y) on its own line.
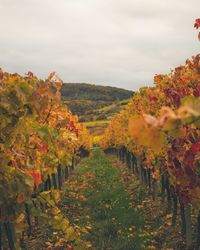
(153,99)
(43,148)
(15,164)
(189,171)
(197,23)
(179,172)
(196,91)
(1,74)
(175,98)
(30,74)
(189,157)
(71,127)
(36,176)
(195,147)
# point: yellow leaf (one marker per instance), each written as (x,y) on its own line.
(144,135)
(84,230)
(151,247)
(69,234)
(169,216)
(153,138)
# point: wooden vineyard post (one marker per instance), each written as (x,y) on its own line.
(28,218)
(59,177)
(182,207)
(123,154)
(66,172)
(163,187)
(10,232)
(145,178)
(118,153)
(188,226)
(55,183)
(168,195)
(134,161)
(175,200)
(155,188)
(73,162)
(198,232)
(49,181)
(139,166)
(0,237)
(0,232)
(22,243)
(36,217)
(136,166)
(46,185)
(149,179)
(131,163)
(129,160)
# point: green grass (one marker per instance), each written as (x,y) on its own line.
(114,224)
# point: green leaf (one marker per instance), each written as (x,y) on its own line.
(35,211)
(191,104)
(26,137)
(24,91)
(29,180)
(173,127)
(43,132)
(55,132)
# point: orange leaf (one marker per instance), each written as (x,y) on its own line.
(20,198)
(136,126)
(51,75)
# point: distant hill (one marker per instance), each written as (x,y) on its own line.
(88,100)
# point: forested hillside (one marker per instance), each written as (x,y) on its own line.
(85,100)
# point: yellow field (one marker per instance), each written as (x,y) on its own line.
(96,124)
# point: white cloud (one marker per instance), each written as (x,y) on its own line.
(122,43)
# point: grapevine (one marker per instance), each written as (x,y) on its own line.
(38,140)
(159,131)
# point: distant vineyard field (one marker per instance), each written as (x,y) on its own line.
(93,102)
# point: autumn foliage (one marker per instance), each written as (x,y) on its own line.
(197,25)
(37,134)
(161,125)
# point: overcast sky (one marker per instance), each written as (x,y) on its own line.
(121,43)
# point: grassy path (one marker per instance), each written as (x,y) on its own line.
(95,198)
